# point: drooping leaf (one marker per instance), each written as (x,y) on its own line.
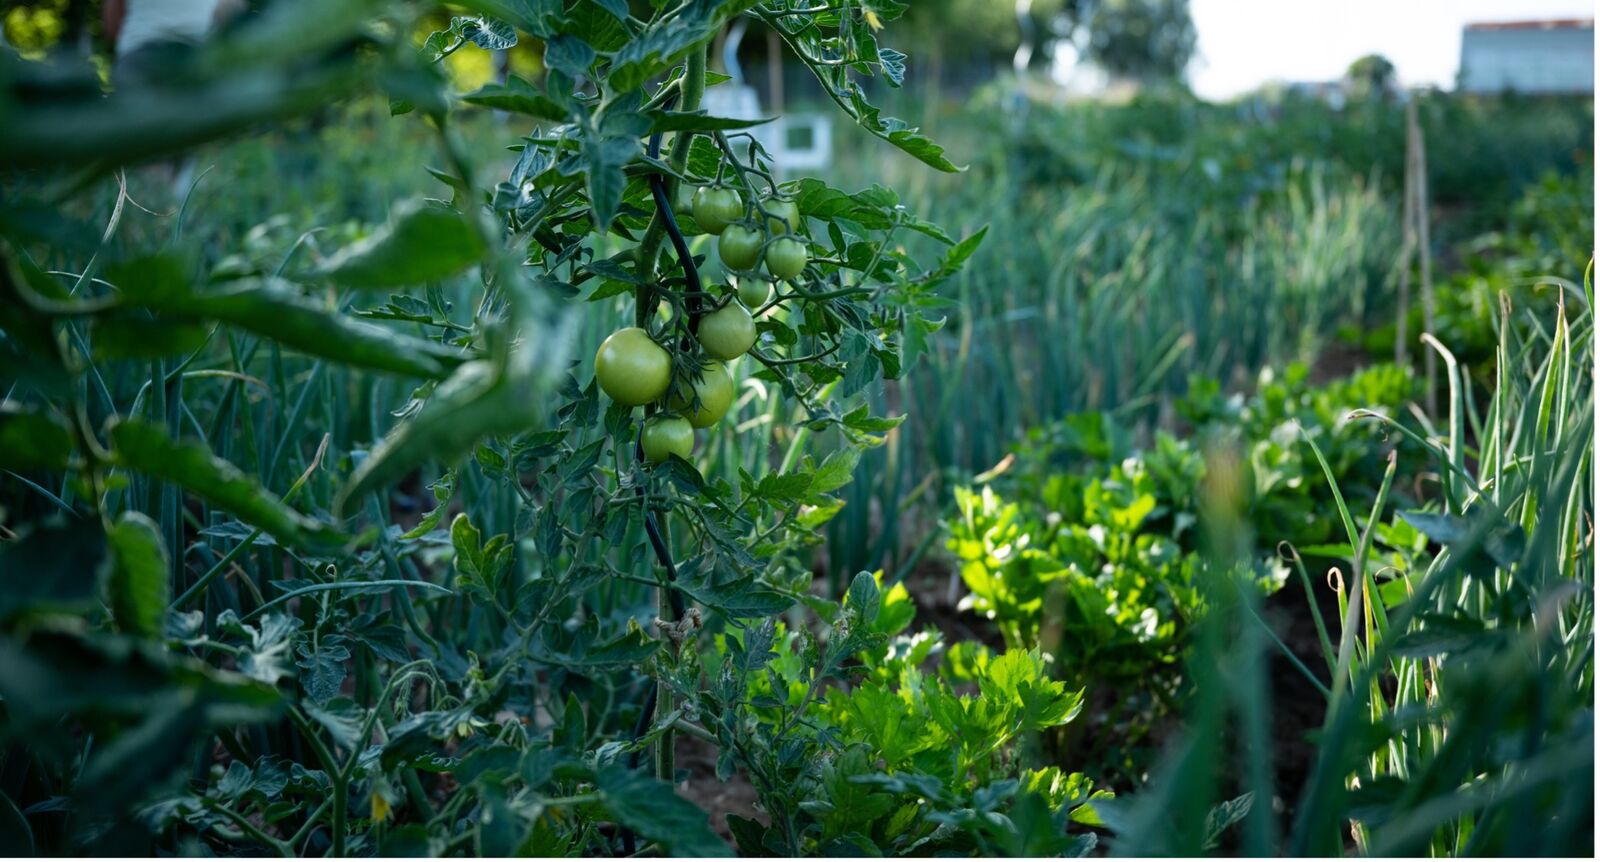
(518,96)
(276,309)
(144,447)
(649,807)
(863,598)
(490,34)
(835,471)
(342,718)
(60,669)
(140,586)
(681,121)
(422,242)
(32,439)
(473,403)
(570,55)
(53,568)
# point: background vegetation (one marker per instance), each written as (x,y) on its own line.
(1159,475)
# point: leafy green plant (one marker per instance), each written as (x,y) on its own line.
(1090,546)
(901,761)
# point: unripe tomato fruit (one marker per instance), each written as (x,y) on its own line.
(631,368)
(739,247)
(754,293)
(783,215)
(714,208)
(667,435)
(786,257)
(714,390)
(727,332)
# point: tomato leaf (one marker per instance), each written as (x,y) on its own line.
(422,242)
(520,97)
(32,439)
(53,569)
(651,808)
(140,585)
(146,448)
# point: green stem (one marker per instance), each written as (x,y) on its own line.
(419,796)
(338,776)
(341,800)
(304,832)
(579,799)
(254,831)
(692,87)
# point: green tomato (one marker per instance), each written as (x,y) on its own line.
(786,257)
(783,215)
(739,247)
(667,435)
(728,332)
(631,368)
(754,293)
(714,390)
(716,208)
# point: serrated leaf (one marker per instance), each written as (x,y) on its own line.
(323,670)
(490,34)
(835,472)
(669,38)
(570,55)
(342,718)
(1224,815)
(782,488)
(893,64)
(518,96)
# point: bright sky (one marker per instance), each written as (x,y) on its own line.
(1244,43)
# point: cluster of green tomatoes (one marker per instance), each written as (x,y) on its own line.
(633,369)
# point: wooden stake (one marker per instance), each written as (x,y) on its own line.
(1425,253)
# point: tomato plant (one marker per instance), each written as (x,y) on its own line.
(354,539)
